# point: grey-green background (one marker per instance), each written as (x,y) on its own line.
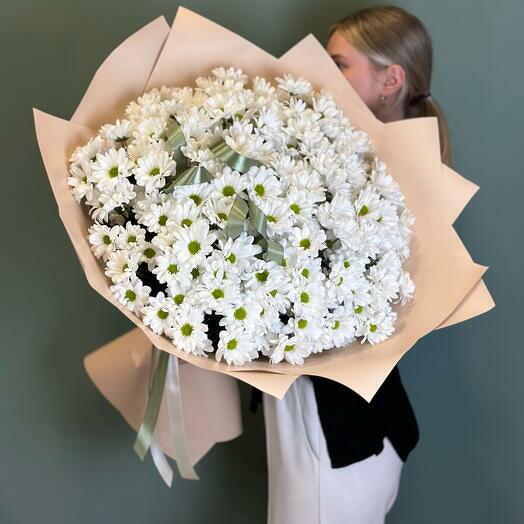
(66,455)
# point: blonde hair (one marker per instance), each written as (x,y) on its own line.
(390,35)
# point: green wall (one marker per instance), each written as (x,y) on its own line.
(66,456)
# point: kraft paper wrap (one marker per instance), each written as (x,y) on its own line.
(449,287)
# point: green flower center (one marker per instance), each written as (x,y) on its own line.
(240,313)
(346,263)
(262,275)
(232,258)
(107,240)
(222,216)
(336,324)
(197,199)
(162,313)
(149,252)
(172,268)
(329,243)
(305,272)
(194,247)
(260,190)
(217,293)
(372,328)
(271,218)
(113,172)
(304,297)
(295,208)
(186,222)
(162,219)
(339,282)
(273,292)
(364,210)
(130,295)
(195,272)
(178,299)
(289,347)
(302,323)
(131,239)
(232,344)
(228,191)
(186,330)
(154,172)
(359,309)
(305,243)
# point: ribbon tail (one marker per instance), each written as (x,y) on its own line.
(161,462)
(147,428)
(176,420)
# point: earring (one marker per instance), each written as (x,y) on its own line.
(383,100)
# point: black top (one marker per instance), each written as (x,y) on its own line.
(354,429)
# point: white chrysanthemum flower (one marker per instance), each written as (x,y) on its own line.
(263,184)
(189,332)
(82,186)
(377,328)
(217,210)
(152,128)
(300,204)
(341,326)
(294,86)
(228,184)
(109,168)
(117,133)
(148,253)
(130,237)
(266,276)
(170,271)
(245,312)
(159,217)
(309,299)
(185,212)
(407,288)
(132,293)
(198,193)
(308,239)
(293,349)
(158,313)
(152,170)
(305,327)
(194,243)
(88,152)
(121,265)
(278,216)
(103,239)
(216,292)
(367,205)
(384,183)
(240,252)
(235,346)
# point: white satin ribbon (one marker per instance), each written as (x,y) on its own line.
(177,430)
(176,420)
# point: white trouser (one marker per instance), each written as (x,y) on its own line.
(303,488)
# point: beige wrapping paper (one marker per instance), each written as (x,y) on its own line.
(449,286)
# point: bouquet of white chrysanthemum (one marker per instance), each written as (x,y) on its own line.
(259,211)
(246,219)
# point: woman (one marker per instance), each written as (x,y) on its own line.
(332,457)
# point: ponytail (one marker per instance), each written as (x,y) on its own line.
(426,105)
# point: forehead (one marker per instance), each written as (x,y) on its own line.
(339,47)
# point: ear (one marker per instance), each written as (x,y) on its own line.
(394,78)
